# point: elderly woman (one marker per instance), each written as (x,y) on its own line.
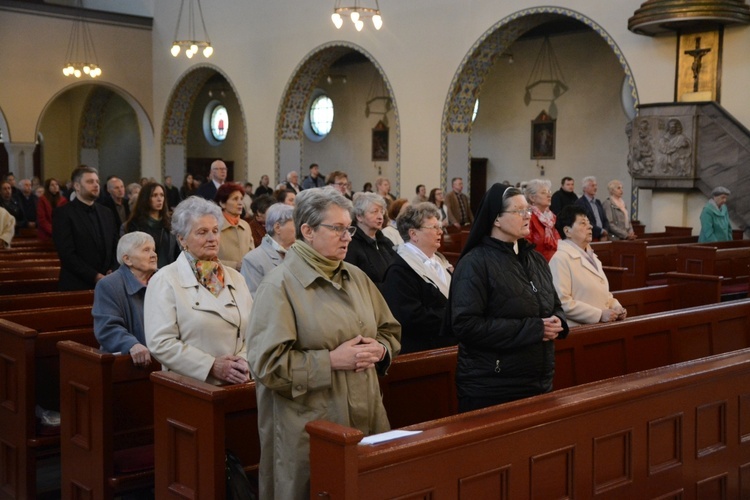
(578,275)
(197,309)
(542,232)
(323,333)
(715,225)
(369,249)
(118,298)
(383,188)
(236,237)
(151,215)
(503,307)
(620,227)
(279,237)
(417,282)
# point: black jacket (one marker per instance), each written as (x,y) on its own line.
(371,256)
(418,305)
(583,202)
(562,199)
(498,300)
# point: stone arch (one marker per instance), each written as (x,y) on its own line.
(296,99)
(177,115)
(464,89)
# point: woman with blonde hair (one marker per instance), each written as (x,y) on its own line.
(620,227)
(542,232)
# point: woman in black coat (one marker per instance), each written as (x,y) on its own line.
(503,307)
(369,249)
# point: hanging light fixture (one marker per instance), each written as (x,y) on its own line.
(546,81)
(356,13)
(191,45)
(81,56)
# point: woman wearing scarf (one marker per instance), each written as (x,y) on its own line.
(620,227)
(503,307)
(315,350)
(236,237)
(196,310)
(715,225)
(542,232)
(417,282)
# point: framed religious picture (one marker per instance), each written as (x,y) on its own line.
(543,137)
(380,142)
(699,66)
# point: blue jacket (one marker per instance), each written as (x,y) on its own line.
(118,311)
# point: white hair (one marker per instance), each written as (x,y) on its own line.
(130,242)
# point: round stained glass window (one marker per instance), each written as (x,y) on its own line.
(219,123)
(321,115)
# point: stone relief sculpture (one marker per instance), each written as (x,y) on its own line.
(659,150)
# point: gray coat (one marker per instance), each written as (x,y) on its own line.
(258,262)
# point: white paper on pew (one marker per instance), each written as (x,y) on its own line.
(387,436)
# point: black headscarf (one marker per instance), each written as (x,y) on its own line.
(489,207)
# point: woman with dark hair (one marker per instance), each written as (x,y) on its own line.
(188,187)
(257,220)
(502,307)
(578,275)
(437,198)
(285,196)
(236,237)
(151,215)
(45,207)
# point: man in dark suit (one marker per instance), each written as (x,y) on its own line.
(216,178)
(594,209)
(85,235)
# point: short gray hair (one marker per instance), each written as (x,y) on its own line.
(190,210)
(587,179)
(414,216)
(278,212)
(311,204)
(363,201)
(130,242)
(534,185)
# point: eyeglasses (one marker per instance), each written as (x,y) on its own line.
(439,229)
(526,212)
(339,230)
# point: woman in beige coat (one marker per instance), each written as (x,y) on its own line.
(321,337)
(196,310)
(236,237)
(578,275)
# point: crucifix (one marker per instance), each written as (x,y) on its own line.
(697,54)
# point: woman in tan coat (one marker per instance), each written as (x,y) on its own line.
(320,334)
(236,237)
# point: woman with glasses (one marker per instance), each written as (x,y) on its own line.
(417,282)
(502,307)
(542,232)
(578,275)
(324,334)
(370,250)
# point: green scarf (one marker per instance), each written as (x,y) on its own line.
(323,265)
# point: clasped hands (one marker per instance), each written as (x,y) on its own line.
(552,328)
(358,354)
(615,314)
(231,368)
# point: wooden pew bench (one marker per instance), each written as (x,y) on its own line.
(27,286)
(731,263)
(30,375)
(50,299)
(10,274)
(107,423)
(682,290)
(673,431)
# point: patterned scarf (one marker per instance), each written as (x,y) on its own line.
(209,273)
(547,218)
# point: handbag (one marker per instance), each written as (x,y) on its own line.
(239,486)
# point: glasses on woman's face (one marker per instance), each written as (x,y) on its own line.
(436,228)
(524,212)
(339,230)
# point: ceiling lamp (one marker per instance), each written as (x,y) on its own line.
(546,81)
(356,13)
(191,44)
(81,56)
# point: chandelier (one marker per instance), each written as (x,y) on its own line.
(356,13)
(546,81)
(191,45)
(81,56)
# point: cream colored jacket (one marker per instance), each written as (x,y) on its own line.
(583,289)
(187,327)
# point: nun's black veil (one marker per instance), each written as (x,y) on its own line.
(489,207)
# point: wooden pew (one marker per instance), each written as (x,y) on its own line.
(50,299)
(27,286)
(7,257)
(107,423)
(194,423)
(674,432)
(15,274)
(29,375)
(732,264)
(682,290)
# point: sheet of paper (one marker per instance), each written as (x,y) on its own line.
(387,436)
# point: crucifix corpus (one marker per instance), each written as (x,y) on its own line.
(697,53)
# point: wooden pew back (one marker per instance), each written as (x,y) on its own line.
(653,434)
(50,299)
(107,417)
